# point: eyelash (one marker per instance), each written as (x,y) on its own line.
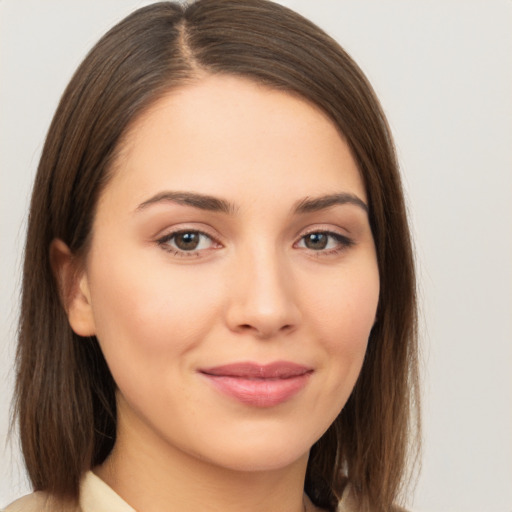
(175,251)
(342,242)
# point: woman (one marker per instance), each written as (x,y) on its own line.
(218,299)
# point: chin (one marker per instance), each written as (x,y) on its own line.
(260,461)
(270,451)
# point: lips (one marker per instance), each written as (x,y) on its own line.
(259,385)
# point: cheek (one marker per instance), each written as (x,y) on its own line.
(342,316)
(345,309)
(147,312)
(341,313)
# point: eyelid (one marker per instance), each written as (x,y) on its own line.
(325,228)
(183,227)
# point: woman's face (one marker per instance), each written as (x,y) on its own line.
(232,280)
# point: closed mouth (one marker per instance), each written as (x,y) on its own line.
(259,385)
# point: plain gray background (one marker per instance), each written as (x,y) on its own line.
(443,71)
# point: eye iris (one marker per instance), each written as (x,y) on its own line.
(316,241)
(187,241)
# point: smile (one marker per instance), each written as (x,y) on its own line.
(259,385)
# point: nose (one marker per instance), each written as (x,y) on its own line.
(263,299)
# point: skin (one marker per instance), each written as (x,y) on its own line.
(253,290)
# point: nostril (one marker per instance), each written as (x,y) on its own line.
(264,331)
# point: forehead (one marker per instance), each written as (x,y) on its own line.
(225,135)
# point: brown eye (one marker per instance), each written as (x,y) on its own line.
(183,242)
(326,242)
(187,241)
(316,241)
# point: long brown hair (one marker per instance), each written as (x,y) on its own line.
(65,394)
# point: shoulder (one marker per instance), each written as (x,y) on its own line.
(38,502)
(32,502)
(95,495)
(348,503)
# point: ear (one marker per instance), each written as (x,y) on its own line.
(73,288)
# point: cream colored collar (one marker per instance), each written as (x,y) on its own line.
(97,496)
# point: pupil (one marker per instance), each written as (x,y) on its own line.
(316,241)
(187,241)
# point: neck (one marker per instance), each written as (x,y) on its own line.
(153,476)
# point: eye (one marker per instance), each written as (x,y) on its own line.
(324,241)
(186,241)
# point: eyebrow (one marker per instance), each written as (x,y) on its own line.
(215,204)
(315,204)
(201,201)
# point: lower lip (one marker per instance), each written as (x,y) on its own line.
(259,392)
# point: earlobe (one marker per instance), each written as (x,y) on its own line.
(73,288)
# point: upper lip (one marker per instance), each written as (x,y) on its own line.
(250,370)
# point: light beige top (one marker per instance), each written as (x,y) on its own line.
(97,496)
